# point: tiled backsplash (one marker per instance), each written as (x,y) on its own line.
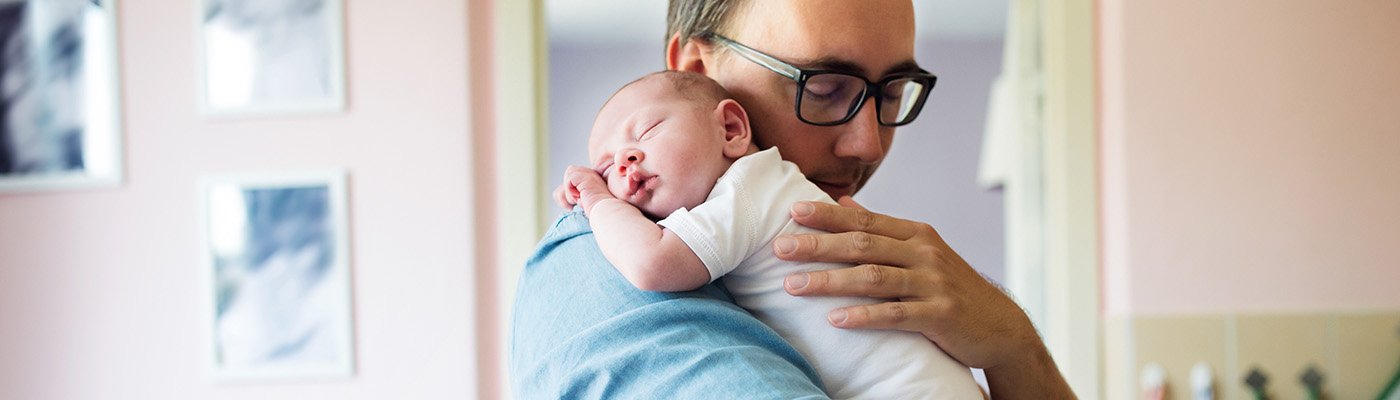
(1357,352)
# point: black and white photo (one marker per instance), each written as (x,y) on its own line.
(271,56)
(279,275)
(58,95)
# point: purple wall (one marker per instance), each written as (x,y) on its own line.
(929,176)
(931,172)
(580,80)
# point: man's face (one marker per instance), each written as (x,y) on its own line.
(871,38)
(657,150)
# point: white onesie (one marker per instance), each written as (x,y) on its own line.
(732,233)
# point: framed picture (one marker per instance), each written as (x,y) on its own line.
(59,106)
(279,274)
(271,56)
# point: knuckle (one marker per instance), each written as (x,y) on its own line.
(807,243)
(898,313)
(943,307)
(861,242)
(865,220)
(927,252)
(927,229)
(873,275)
(936,280)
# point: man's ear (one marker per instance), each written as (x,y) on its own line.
(737,135)
(685,57)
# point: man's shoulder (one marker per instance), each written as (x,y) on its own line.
(570,225)
(577,323)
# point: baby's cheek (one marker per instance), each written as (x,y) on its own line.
(615,187)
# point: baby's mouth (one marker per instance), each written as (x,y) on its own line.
(638,184)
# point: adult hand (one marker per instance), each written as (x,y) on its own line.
(582,186)
(933,291)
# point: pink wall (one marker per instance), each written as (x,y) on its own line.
(490,345)
(100,291)
(1251,155)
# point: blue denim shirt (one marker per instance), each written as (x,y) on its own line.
(581,330)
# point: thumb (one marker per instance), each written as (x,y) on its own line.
(559,196)
(849,202)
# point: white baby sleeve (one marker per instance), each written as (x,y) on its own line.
(721,231)
(746,209)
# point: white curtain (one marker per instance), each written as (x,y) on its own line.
(1011,155)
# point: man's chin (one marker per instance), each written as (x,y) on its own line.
(836,190)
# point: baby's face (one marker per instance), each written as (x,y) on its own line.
(657,150)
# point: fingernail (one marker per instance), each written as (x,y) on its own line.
(802,209)
(785,244)
(837,317)
(796,282)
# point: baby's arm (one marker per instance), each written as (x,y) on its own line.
(651,257)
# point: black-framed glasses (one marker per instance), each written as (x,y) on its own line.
(827,98)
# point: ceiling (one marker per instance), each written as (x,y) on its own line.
(644,21)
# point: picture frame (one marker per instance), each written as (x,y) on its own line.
(270,57)
(276,252)
(60,101)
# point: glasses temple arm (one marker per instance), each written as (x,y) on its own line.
(758,57)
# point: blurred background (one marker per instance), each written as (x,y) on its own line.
(1161,184)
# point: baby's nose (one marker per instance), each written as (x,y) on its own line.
(627,158)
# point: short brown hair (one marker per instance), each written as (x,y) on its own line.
(696,18)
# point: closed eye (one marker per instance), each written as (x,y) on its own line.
(646,133)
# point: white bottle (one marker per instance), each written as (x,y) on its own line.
(1202,384)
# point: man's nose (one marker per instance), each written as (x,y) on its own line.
(860,137)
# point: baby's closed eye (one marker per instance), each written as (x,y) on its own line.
(646,133)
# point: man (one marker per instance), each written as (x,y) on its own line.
(581,330)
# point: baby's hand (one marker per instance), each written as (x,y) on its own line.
(582,186)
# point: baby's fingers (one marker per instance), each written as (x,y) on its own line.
(576,180)
(560,196)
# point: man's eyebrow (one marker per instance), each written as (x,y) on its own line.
(840,65)
(903,67)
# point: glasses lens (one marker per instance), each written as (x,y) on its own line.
(901,100)
(828,98)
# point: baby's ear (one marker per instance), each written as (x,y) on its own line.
(735,121)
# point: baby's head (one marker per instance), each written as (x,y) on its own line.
(663,140)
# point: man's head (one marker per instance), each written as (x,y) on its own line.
(871,38)
(663,140)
